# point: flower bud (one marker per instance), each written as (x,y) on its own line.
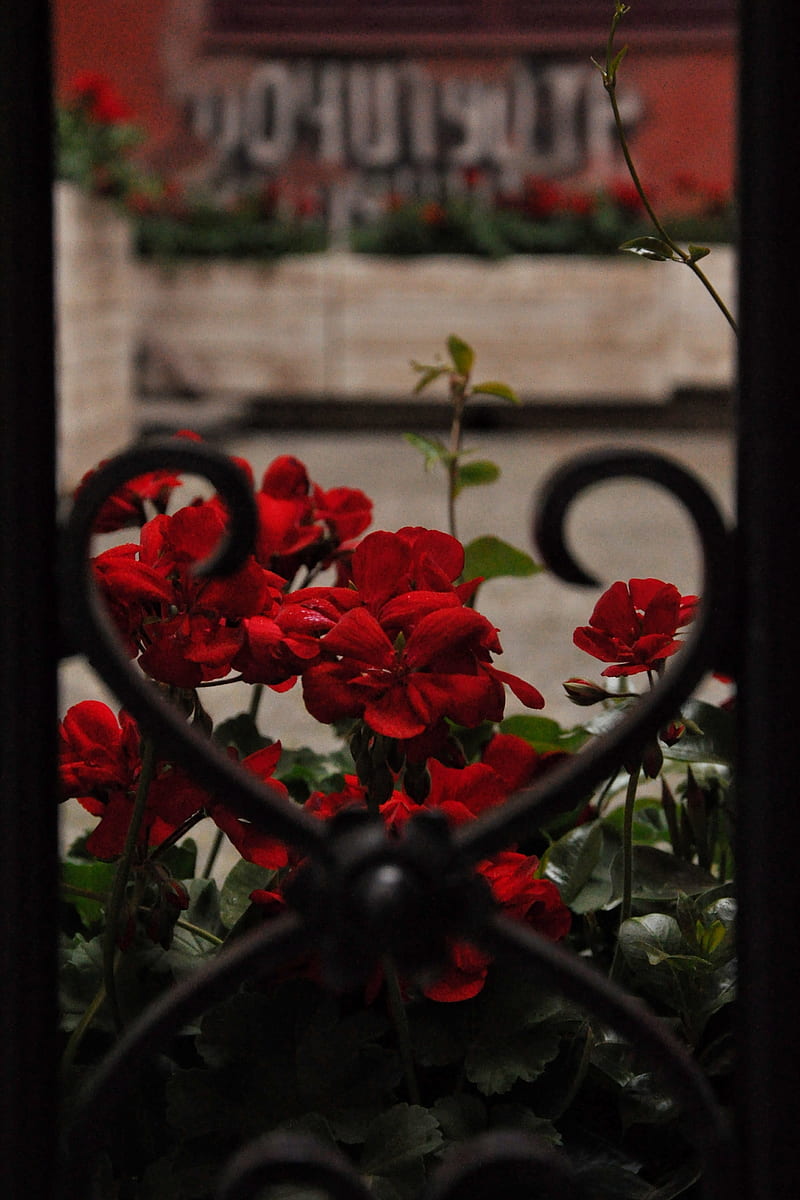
(672,733)
(584,692)
(652,759)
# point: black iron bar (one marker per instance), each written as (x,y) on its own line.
(705,645)
(769,550)
(28,620)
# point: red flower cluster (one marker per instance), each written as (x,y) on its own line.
(129,506)
(97,94)
(405,651)
(392,645)
(634,626)
(100,766)
(542,199)
(186,630)
(462,794)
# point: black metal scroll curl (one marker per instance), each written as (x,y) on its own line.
(705,649)
(91,630)
(366,866)
(509,1163)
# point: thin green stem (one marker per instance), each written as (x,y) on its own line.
(627,844)
(121,877)
(70,890)
(397,1011)
(79,1032)
(686,257)
(198,931)
(627,865)
(190,927)
(603,797)
(458,398)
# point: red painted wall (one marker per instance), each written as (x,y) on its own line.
(150,48)
(124,40)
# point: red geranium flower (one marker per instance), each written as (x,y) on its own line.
(99,96)
(462,794)
(186,628)
(400,689)
(128,506)
(299,523)
(516,888)
(634,626)
(100,765)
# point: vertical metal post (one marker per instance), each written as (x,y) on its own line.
(769,504)
(28,861)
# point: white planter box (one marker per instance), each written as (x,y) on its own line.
(345,326)
(94,331)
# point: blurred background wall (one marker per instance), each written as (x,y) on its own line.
(351,100)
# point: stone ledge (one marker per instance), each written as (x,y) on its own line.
(344,326)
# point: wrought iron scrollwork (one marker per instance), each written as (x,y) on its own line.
(90,628)
(403,896)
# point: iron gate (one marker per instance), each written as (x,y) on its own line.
(751,620)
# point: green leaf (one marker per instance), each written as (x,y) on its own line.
(340,1064)
(427,374)
(492,558)
(242,733)
(80,977)
(204,906)
(460,1117)
(651,247)
(659,875)
(305,770)
(598,888)
(495,1066)
(543,733)
(398,1138)
(474,474)
(491,387)
(438,1033)
(616,62)
(649,825)
(571,861)
(697,252)
(90,876)
(512,1002)
(508,1115)
(462,354)
(648,941)
(432,449)
(243,878)
(181,860)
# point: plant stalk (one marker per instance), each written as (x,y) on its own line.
(610,85)
(627,843)
(121,877)
(397,1010)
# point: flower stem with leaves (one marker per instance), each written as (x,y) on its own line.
(487,556)
(662,248)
